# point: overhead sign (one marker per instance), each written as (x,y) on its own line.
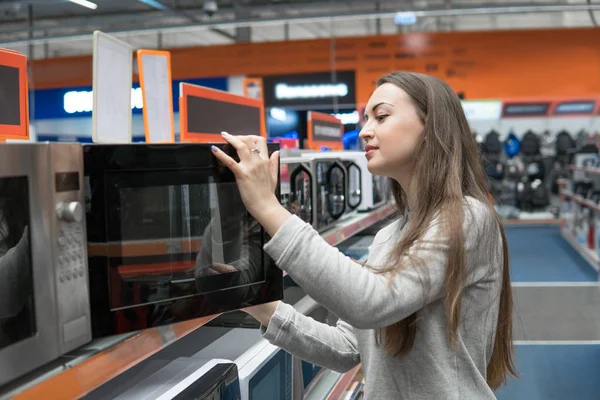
(14,118)
(324,130)
(320,89)
(585,107)
(82,101)
(526,109)
(204,113)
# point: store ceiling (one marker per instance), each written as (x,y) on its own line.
(54,28)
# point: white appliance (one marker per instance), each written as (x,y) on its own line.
(187,378)
(373,192)
(264,370)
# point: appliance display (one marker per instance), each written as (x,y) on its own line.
(297,188)
(265,371)
(44,307)
(329,188)
(169,238)
(187,378)
(373,188)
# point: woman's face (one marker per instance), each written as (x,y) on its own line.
(391,132)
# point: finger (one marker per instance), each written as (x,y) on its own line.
(239,145)
(275,167)
(226,160)
(251,142)
(261,143)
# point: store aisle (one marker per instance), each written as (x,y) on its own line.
(556,319)
(540,254)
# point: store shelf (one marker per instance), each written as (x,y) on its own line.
(104,361)
(580,200)
(343,384)
(355,224)
(589,255)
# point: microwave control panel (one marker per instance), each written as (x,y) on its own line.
(70,252)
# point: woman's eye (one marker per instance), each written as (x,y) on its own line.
(381,117)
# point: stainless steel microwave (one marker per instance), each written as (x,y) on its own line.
(44,308)
(169,238)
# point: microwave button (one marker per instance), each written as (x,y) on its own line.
(69,212)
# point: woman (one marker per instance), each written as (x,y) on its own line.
(429,316)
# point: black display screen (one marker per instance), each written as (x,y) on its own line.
(66,181)
(10,100)
(17,312)
(575,107)
(214,116)
(525,109)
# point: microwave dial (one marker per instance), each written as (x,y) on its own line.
(69,212)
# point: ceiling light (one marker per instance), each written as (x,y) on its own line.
(85,3)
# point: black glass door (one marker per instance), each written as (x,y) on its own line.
(17,312)
(180,235)
(301,194)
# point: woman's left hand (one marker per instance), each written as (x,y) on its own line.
(256,175)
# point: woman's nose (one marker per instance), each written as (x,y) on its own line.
(366,134)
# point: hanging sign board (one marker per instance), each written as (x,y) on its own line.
(14,114)
(112,81)
(324,131)
(157,96)
(204,113)
(574,108)
(526,109)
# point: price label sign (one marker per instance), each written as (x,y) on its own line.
(324,131)
(204,113)
(14,115)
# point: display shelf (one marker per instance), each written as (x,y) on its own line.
(104,361)
(89,367)
(589,255)
(343,383)
(580,200)
(347,228)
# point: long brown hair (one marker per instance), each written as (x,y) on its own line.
(448,167)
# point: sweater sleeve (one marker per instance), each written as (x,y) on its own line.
(332,347)
(357,294)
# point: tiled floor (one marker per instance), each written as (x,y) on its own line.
(557,319)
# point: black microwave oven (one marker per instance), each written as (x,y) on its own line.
(169,238)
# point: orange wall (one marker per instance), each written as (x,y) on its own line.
(494,64)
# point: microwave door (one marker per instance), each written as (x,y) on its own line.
(301,194)
(336,181)
(354,185)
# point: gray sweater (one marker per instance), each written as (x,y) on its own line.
(365,301)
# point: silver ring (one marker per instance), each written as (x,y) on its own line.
(255,151)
